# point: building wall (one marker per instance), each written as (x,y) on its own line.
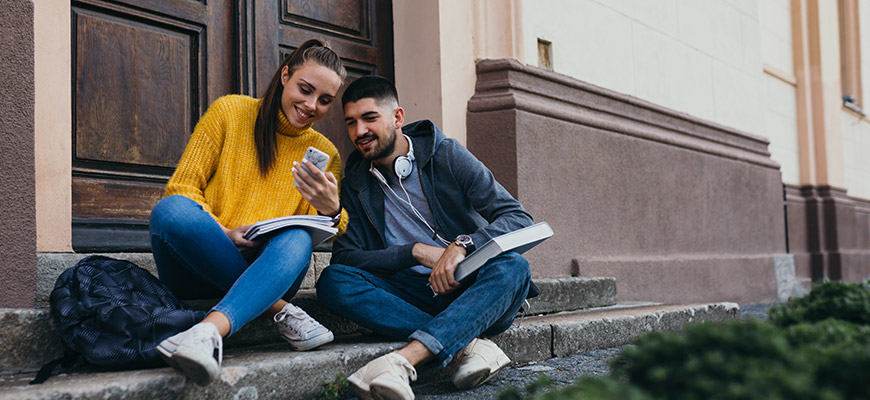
(699,57)
(17,197)
(856,153)
(780,97)
(53,126)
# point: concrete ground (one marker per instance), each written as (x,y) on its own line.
(562,371)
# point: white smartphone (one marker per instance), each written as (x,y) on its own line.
(316,157)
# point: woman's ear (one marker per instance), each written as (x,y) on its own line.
(285,75)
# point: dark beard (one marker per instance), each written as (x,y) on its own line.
(384,151)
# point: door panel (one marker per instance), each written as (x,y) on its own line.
(140,81)
(360,31)
(144,71)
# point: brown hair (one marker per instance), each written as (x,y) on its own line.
(267,117)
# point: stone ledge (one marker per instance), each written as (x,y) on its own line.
(29,337)
(49,266)
(266,371)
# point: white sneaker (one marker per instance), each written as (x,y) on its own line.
(192,352)
(300,330)
(482,361)
(386,377)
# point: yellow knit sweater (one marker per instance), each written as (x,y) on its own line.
(220,171)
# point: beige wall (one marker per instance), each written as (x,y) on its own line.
(855,128)
(700,57)
(53,125)
(780,96)
(437,44)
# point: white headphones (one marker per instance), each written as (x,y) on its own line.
(403,166)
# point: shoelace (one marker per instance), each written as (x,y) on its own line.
(307,323)
(215,338)
(409,369)
(524,309)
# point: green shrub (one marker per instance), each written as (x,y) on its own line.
(603,388)
(735,360)
(335,390)
(838,300)
(816,348)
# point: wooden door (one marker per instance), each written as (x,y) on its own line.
(144,71)
(360,31)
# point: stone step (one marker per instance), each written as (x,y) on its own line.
(29,337)
(558,294)
(274,371)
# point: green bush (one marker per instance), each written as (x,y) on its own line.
(838,300)
(736,360)
(603,388)
(816,347)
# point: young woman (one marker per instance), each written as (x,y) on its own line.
(240,167)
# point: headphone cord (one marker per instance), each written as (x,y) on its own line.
(418,214)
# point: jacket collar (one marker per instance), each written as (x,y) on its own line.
(426,136)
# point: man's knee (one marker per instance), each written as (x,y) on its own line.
(511,265)
(331,284)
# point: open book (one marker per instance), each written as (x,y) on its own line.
(318,226)
(519,241)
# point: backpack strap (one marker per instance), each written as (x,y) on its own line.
(67,360)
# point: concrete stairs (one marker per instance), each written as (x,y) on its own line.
(574,315)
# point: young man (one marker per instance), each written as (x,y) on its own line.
(418,204)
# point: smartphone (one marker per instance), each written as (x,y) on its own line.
(316,157)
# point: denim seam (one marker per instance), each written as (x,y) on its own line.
(226,312)
(432,344)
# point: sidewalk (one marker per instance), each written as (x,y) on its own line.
(562,371)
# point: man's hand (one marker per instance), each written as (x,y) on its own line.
(441,279)
(427,255)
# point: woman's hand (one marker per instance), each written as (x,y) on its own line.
(236,235)
(318,188)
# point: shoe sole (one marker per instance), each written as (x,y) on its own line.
(357,390)
(191,367)
(305,345)
(386,393)
(479,379)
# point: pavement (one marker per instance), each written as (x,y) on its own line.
(561,370)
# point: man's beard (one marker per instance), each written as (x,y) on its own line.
(384,151)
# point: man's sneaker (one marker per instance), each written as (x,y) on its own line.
(482,361)
(386,377)
(300,330)
(192,352)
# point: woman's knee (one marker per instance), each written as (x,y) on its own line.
(291,238)
(170,208)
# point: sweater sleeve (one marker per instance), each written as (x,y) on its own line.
(335,167)
(200,158)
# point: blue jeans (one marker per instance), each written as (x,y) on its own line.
(195,259)
(401,305)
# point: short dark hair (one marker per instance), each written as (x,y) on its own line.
(370,86)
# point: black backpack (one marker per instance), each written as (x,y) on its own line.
(114,314)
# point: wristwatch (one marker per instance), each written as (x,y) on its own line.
(336,218)
(465,241)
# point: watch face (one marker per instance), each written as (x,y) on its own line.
(464,240)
